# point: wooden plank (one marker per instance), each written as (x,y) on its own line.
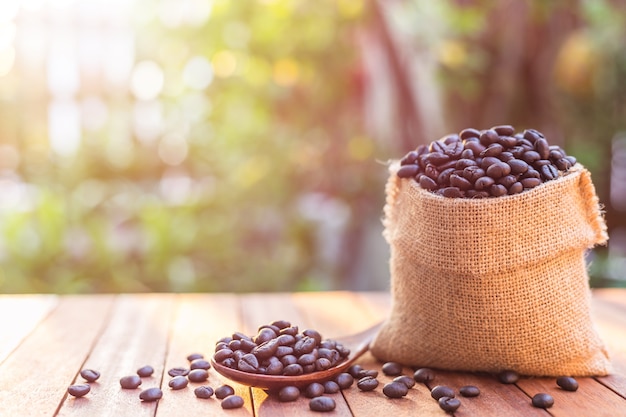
(346,313)
(262,309)
(136,335)
(35,377)
(21,314)
(200,321)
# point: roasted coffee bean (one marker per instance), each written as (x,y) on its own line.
(395,389)
(439,391)
(449,404)
(367,383)
(222,354)
(508,377)
(508,180)
(469,391)
(476,194)
(498,170)
(322,364)
(247,345)
(475,147)
(203,392)
(427,183)
(130,381)
(288,394)
(436,158)
(517,166)
(444,176)
(488,137)
(467,154)
(230,363)
(223,391)
(531,156)
(291,330)
(507,141)
(409,159)
(238,354)
(450,139)
(451,192)
(289,360)
(494,149)
(285,340)
(408,171)
(179,371)
(198,375)
(473,173)
(354,370)
(307,359)
(293,369)
(315,389)
(266,349)
(248,363)
(274,367)
(232,401)
(331,387)
(151,394)
(283,350)
(530,182)
(487,161)
(235,345)
(178,382)
(322,404)
(424,375)
(563,164)
(460,182)
(78,390)
(498,190)
(531,135)
(436,146)
(199,364)
(90,375)
(567,383)
(406,380)
(483,183)
(240,336)
(543,148)
(549,172)
(516,188)
(367,372)
(281,324)
(469,133)
(464,163)
(193,356)
(344,380)
(392,368)
(542,400)
(504,130)
(264,335)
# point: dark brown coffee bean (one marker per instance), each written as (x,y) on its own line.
(321,364)
(436,146)
(506,156)
(531,135)
(427,183)
(285,340)
(487,161)
(464,163)
(322,404)
(467,154)
(563,164)
(444,177)
(344,380)
(288,394)
(473,173)
(516,188)
(367,383)
(266,349)
(178,382)
(247,345)
(504,130)
(78,390)
(531,173)
(431,171)
(476,194)
(498,170)
(507,141)
(508,377)
(469,133)
(223,391)
(449,404)
(178,371)
(408,159)
(460,182)
(281,324)
(518,166)
(549,172)
(264,335)
(488,137)
(475,147)
(291,330)
(354,370)
(395,389)
(531,156)
(331,387)
(392,368)
(199,364)
(542,400)
(406,380)
(307,359)
(198,375)
(313,390)
(441,391)
(293,369)
(232,401)
(530,182)
(289,360)
(498,190)
(230,363)
(469,391)
(436,158)
(367,372)
(240,336)
(238,354)
(424,375)
(248,363)
(567,383)
(130,381)
(483,183)
(494,149)
(235,345)
(90,375)
(220,355)
(543,148)
(571,160)
(193,356)
(151,394)
(451,192)
(508,180)
(203,392)
(275,367)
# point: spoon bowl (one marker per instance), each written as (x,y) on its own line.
(358,344)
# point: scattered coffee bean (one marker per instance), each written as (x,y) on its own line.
(392,369)
(567,383)
(193,356)
(199,364)
(395,389)
(367,383)
(542,400)
(151,394)
(354,370)
(449,404)
(203,392)
(508,377)
(224,391)
(313,390)
(130,381)
(288,394)
(406,380)
(78,390)
(90,375)
(441,391)
(424,375)
(322,404)
(232,401)
(178,382)
(367,372)
(330,387)
(198,375)
(344,380)
(145,371)
(469,391)
(178,372)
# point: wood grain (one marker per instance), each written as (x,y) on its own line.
(20,314)
(35,377)
(135,335)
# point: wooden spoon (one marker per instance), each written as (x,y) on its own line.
(357,343)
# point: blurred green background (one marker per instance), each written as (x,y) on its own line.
(213,145)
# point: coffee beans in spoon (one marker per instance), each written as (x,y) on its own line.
(489,163)
(279,349)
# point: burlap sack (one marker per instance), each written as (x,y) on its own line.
(493,284)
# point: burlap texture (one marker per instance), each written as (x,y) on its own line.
(493,284)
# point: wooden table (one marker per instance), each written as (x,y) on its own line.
(45,340)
